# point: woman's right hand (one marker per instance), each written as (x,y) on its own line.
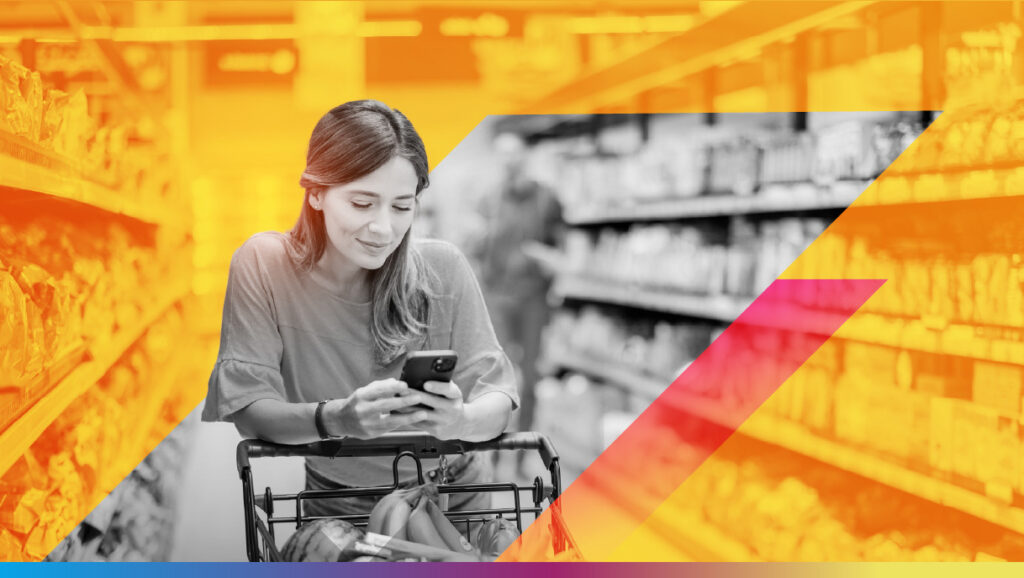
(367,413)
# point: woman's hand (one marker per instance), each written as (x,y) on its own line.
(446,417)
(366,413)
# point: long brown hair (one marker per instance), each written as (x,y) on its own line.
(349,142)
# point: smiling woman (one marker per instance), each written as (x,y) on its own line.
(319,320)
(365,220)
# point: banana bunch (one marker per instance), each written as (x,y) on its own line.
(413,514)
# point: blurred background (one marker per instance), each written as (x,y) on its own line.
(142,143)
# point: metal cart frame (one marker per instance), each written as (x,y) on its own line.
(259,535)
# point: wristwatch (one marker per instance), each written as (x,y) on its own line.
(318,418)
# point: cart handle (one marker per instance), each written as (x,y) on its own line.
(421,445)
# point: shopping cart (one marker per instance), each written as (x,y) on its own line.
(260,519)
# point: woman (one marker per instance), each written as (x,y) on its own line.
(318,321)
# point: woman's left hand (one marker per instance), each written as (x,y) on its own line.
(447,415)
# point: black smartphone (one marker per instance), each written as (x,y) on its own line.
(423,366)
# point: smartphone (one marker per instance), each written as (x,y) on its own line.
(423,366)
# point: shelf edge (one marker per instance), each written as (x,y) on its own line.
(21,434)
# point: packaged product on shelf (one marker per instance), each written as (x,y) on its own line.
(1016,149)
(941,434)
(940,375)
(870,363)
(14,79)
(20,512)
(35,543)
(96,151)
(10,545)
(977,134)
(928,152)
(997,150)
(843,152)
(577,246)
(76,127)
(961,132)
(54,102)
(853,422)
(998,386)
(35,349)
(686,162)
(110,442)
(889,140)
(900,423)
(14,337)
(84,440)
(788,158)
(33,111)
(8,93)
(940,304)
(997,147)
(42,289)
(817,408)
(645,176)
(119,382)
(117,147)
(740,265)
(980,437)
(735,167)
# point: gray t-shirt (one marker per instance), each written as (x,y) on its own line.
(286,337)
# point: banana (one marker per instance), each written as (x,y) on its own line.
(448,532)
(379,514)
(421,528)
(398,518)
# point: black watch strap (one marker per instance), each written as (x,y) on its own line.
(318,418)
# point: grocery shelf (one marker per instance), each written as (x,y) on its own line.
(911,334)
(21,434)
(918,335)
(794,437)
(687,532)
(774,199)
(60,365)
(896,190)
(947,185)
(27,166)
(718,308)
(617,374)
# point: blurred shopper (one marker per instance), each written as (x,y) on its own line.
(318,321)
(517,264)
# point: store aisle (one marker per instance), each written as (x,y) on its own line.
(210,523)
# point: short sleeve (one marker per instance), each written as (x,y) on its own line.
(248,366)
(483,366)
